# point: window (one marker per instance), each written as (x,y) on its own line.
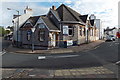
(91,31)
(41,25)
(70,30)
(80,31)
(41,35)
(28,35)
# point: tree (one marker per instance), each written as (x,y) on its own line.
(7,31)
(2,31)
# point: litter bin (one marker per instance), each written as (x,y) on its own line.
(65,44)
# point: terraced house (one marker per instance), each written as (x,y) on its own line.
(59,26)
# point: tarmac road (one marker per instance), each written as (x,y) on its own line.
(104,54)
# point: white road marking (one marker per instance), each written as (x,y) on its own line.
(41,57)
(64,56)
(116,43)
(117,62)
(2,53)
(96,47)
(32,75)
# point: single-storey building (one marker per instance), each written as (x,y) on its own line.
(55,28)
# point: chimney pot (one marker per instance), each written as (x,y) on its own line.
(54,7)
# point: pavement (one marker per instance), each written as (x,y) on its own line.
(91,72)
(70,49)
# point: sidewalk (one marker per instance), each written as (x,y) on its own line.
(70,49)
(91,72)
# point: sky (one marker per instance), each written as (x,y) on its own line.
(105,10)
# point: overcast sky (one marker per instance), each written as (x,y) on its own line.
(106,10)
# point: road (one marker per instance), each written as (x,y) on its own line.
(104,54)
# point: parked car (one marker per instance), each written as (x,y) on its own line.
(110,38)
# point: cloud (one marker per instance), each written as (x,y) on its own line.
(7,15)
(68,1)
(106,10)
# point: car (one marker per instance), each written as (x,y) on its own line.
(110,38)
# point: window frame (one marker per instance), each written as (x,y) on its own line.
(28,35)
(41,35)
(70,28)
(42,26)
(80,31)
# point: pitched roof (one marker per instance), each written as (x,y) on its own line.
(67,14)
(84,18)
(32,20)
(92,22)
(49,23)
(56,13)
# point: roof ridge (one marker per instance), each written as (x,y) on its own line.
(71,12)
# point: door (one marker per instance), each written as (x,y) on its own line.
(54,39)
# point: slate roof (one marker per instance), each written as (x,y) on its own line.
(49,23)
(67,14)
(32,20)
(84,18)
(64,13)
(92,22)
(56,13)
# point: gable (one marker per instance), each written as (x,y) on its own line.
(28,22)
(39,21)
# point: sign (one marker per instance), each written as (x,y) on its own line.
(70,43)
(65,29)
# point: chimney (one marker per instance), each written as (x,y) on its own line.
(54,7)
(28,10)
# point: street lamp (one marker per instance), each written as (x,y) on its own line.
(17,22)
(33,30)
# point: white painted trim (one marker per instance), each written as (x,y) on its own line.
(26,23)
(45,23)
(37,22)
(48,12)
(55,30)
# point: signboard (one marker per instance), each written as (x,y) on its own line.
(69,42)
(65,29)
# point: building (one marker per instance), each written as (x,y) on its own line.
(93,28)
(59,26)
(18,21)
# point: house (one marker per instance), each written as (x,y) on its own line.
(93,28)
(18,21)
(59,26)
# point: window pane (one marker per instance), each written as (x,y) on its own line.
(41,26)
(70,31)
(42,35)
(28,35)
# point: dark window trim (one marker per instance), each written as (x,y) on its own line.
(39,35)
(70,28)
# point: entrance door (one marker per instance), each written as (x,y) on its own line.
(54,39)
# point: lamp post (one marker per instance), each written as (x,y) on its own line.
(17,22)
(32,29)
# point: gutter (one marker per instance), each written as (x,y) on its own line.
(73,22)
